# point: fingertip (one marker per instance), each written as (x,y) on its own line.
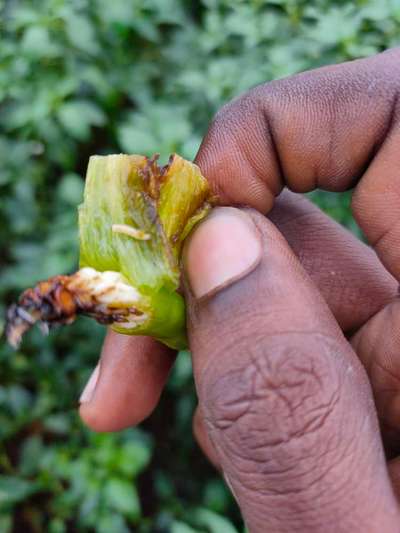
(236,157)
(127,383)
(222,249)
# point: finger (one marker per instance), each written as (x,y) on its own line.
(394,473)
(203,439)
(348,273)
(328,128)
(286,402)
(126,386)
(378,346)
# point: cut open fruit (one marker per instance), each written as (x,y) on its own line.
(132,224)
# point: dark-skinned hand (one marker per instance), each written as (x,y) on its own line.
(294,324)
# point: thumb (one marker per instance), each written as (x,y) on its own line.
(285,401)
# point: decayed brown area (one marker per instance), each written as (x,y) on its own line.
(57,301)
(153,175)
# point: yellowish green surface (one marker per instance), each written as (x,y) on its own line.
(160,203)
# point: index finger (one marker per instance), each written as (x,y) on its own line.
(332,128)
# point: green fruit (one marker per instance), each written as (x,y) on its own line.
(132,224)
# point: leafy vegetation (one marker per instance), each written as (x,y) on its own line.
(92,76)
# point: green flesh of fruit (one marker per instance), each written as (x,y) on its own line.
(133,220)
(132,223)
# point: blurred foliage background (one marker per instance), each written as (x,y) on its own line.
(96,76)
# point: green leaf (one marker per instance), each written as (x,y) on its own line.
(19,399)
(58,423)
(57,526)
(182,372)
(160,128)
(81,34)
(338,25)
(137,141)
(111,523)
(121,496)
(216,496)
(214,522)
(14,489)
(5,522)
(133,457)
(117,11)
(70,189)
(36,42)
(77,117)
(31,455)
(180,527)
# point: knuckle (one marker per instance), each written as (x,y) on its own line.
(230,121)
(219,146)
(223,117)
(221,124)
(274,401)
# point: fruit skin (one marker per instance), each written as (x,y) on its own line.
(132,224)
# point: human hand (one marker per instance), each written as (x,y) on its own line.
(286,410)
